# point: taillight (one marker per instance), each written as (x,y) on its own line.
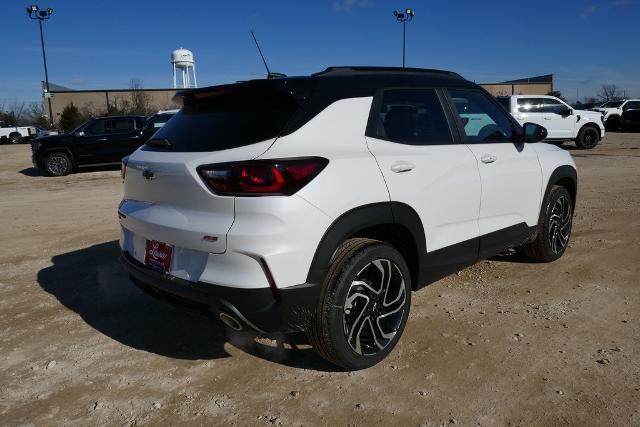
(278,177)
(123,167)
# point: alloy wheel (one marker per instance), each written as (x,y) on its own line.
(560,224)
(590,137)
(375,306)
(58,165)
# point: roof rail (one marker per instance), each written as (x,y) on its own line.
(356,69)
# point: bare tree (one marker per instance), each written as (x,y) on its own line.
(140,100)
(609,92)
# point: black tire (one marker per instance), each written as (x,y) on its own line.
(342,330)
(613,123)
(588,137)
(58,164)
(15,138)
(554,227)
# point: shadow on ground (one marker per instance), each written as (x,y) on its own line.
(38,172)
(92,283)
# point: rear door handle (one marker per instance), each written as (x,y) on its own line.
(488,158)
(401,167)
(102,139)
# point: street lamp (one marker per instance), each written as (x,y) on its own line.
(34,12)
(403,17)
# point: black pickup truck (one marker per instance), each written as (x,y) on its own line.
(101,141)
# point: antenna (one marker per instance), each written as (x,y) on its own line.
(270,75)
(260,52)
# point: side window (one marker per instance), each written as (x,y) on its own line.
(122,125)
(553,106)
(96,128)
(530,105)
(413,117)
(632,105)
(483,121)
(158,121)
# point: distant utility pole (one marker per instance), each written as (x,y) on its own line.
(34,12)
(403,17)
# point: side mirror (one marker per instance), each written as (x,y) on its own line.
(79,134)
(534,132)
(567,112)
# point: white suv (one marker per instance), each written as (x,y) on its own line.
(612,111)
(317,204)
(562,121)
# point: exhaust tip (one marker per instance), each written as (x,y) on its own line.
(230,321)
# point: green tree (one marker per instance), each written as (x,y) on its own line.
(70,118)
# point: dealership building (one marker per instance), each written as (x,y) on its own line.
(102,99)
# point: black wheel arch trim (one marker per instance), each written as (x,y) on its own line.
(562,175)
(360,219)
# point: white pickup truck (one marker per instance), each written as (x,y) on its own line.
(16,134)
(612,111)
(562,121)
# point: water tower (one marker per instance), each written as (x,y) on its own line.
(182,60)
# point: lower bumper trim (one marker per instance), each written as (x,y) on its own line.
(255,308)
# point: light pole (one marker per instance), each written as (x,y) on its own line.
(34,12)
(403,17)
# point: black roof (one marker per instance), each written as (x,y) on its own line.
(361,70)
(343,82)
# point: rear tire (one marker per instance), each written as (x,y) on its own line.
(363,305)
(588,137)
(15,138)
(554,227)
(58,164)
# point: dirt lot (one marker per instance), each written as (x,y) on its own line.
(504,342)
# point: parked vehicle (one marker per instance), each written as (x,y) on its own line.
(318,204)
(156,121)
(13,134)
(101,141)
(563,123)
(612,111)
(631,119)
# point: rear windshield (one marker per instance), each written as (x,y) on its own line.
(228,117)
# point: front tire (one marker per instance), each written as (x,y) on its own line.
(588,137)
(554,227)
(363,306)
(15,138)
(58,164)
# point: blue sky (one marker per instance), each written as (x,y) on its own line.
(104,44)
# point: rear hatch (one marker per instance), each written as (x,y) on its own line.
(164,197)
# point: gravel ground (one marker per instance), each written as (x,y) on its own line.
(505,342)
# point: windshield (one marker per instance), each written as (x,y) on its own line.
(228,117)
(612,104)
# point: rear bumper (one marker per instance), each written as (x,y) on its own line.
(253,308)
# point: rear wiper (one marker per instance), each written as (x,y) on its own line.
(160,143)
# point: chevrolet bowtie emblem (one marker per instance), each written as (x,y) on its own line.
(148,174)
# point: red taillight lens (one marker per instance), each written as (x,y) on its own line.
(282,177)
